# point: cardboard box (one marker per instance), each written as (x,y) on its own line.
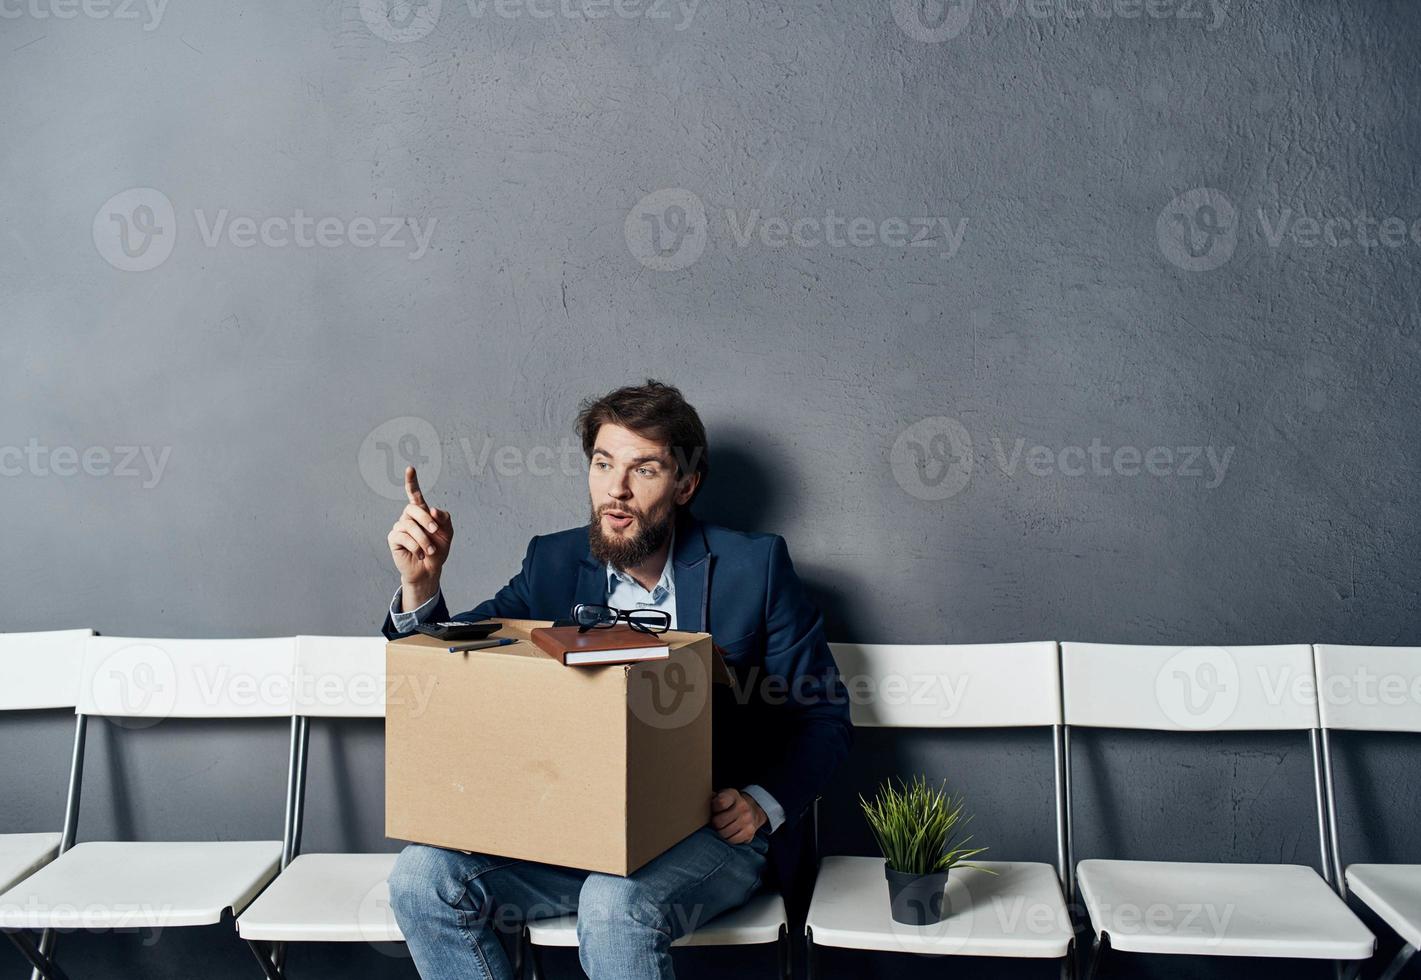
(506,751)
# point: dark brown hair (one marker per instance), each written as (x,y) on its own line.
(656,411)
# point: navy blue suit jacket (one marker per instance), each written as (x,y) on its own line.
(788,735)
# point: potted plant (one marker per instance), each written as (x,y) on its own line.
(917,829)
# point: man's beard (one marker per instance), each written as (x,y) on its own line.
(624,553)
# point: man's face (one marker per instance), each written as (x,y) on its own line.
(634,489)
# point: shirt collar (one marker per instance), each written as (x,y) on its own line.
(668,574)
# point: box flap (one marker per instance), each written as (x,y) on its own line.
(521,630)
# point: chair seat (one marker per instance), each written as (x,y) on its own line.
(21,855)
(327,898)
(1019,911)
(757,921)
(121,884)
(1282,910)
(1392,891)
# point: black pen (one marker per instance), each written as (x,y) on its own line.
(502,641)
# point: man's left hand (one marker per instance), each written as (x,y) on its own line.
(736,816)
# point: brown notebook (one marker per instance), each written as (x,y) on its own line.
(616,645)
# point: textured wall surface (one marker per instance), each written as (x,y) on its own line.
(1077,319)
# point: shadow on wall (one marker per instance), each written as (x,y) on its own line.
(747,486)
(751,488)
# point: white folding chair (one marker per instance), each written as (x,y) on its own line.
(762,920)
(1373,689)
(38,671)
(1207,909)
(105,885)
(325,898)
(1018,912)
(758,922)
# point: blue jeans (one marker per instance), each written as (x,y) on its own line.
(451,905)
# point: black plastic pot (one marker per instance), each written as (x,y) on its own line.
(915,900)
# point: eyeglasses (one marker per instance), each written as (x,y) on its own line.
(593,615)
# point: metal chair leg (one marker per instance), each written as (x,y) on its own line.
(1398,962)
(811,955)
(1068,964)
(43,965)
(1099,946)
(270,969)
(535,960)
(46,949)
(783,952)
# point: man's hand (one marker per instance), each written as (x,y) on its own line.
(736,816)
(419,543)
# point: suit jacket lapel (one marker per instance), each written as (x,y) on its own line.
(591,582)
(693,560)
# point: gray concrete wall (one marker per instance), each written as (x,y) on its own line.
(1032,320)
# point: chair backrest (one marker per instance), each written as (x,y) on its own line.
(344,677)
(987,685)
(181,678)
(1172,688)
(41,670)
(1376,689)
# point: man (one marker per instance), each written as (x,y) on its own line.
(777,736)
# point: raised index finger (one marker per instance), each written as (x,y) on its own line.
(412,488)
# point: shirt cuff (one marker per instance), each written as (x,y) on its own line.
(404,622)
(768,803)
